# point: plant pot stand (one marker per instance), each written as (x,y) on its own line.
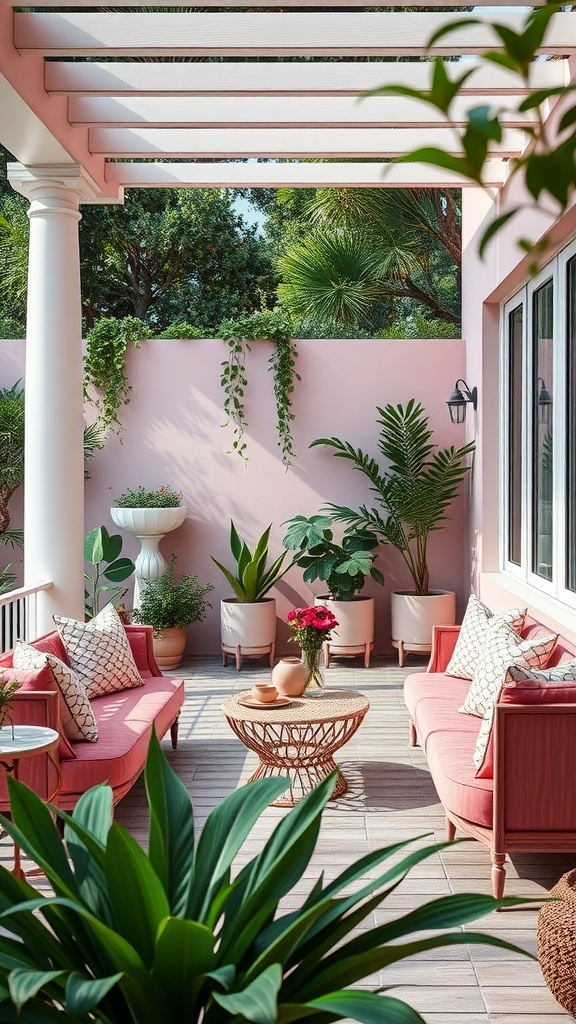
(348,650)
(407,648)
(239,652)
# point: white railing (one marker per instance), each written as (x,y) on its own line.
(18,614)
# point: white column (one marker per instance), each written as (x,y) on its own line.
(54,462)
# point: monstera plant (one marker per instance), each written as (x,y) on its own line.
(178,933)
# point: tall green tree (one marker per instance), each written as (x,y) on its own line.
(172,254)
(369,255)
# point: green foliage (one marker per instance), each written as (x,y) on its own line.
(11,447)
(344,567)
(547,166)
(263,326)
(102,552)
(7,690)
(361,258)
(7,578)
(135,937)
(251,580)
(139,497)
(165,604)
(180,329)
(414,493)
(104,366)
(419,326)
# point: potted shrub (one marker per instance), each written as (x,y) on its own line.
(169,607)
(149,515)
(414,494)
(344,568)
(248,620)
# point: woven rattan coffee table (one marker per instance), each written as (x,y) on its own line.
(300,739)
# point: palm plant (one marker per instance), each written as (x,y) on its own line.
(11,447)
(130,937)
(414,493)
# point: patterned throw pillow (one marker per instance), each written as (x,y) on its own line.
(473,632)
(502,648)
(77,717)
(99,652)
(550,679)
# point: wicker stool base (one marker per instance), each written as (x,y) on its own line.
(557,942)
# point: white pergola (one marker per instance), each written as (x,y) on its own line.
(94,103)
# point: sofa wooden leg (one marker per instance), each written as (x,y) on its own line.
(450,829)
(412,734)
(174,733)
(498,875)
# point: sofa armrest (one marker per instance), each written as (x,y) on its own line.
(443,643)
(140,640)
(41,773)
(534,769)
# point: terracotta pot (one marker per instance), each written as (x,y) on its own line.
(264,692)
(169,647)
(289,677)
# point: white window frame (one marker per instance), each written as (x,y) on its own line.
(556,588)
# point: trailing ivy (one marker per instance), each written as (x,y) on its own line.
(266,326)
(104,365)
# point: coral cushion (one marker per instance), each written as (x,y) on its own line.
(124,728)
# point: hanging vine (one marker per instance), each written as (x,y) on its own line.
(266,326)
(105,382)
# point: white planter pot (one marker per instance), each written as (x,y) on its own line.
(248,629)
(355,632)
(414,615)
(149,525)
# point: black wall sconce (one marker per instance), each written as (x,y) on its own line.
(459,400)
(544,401)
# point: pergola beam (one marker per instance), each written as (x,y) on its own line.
(294,175)
(111,78)
(270,112)
(278,142)
(272,34)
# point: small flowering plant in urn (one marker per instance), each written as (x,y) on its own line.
(311,627)
(7,690)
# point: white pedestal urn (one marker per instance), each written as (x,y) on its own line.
(150,525)
(414,615)
(248,629)
(355,632)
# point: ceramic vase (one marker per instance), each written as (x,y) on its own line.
(313,662)
(289,677)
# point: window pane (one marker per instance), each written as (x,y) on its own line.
(571,430)
(515,320)
(542,395)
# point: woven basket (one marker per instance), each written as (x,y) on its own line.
(556,937)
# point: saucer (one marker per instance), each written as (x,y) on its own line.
(251,702)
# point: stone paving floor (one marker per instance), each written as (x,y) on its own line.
(390,797)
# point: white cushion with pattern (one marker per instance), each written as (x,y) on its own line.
(565,673)
(99,652)
(76,714)
(473,632)
(502,648)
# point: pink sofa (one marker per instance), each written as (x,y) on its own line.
(125,721)
(529,803)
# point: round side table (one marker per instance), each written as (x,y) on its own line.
(18,743)
(298,739)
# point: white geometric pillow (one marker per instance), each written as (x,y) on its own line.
(99,652)
(473,631)
(565,673)
(502,648)
(76,715)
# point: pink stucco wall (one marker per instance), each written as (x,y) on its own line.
(173,434)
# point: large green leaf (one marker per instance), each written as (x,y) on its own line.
(85,834)
(258,1001)
(184,955)
(367,1007)
(33,828)
(223,834)
(137,898)
(171,845)
(24,984)
(83,994)
(119,570)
